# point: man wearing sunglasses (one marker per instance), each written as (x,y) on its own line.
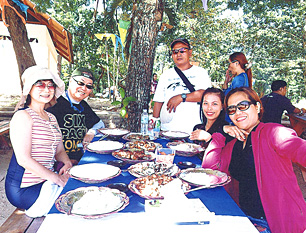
(174,103)
(78,122)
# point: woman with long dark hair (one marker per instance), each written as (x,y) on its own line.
(212,115)
(263,180)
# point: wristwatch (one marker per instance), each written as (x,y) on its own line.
(184,96)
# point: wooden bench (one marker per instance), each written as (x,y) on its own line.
(18,221)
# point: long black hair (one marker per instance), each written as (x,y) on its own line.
(220,121)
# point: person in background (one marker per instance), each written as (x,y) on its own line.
(174,103)
(276,103)
(213,119)
(152,91)
(31,182)
(261,166)
(78,122)
(239,72)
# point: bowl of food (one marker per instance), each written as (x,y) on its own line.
(185,149)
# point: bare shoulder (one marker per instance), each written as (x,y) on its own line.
(21,117)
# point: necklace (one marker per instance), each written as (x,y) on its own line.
(74,107)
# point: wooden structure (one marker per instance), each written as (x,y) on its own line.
(60,36)
(298,123)
(20,222)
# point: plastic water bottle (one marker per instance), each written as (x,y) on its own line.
(156,129)
(144,122)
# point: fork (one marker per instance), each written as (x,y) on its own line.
(104,136)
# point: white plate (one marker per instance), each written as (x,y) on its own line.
(185,149)
(104,147)
(92,202)
(204,177)
(175,134)
(94,172)
(114,132)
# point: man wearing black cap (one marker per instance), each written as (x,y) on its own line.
(75,116)
(175,102)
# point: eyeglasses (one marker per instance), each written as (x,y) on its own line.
(242,106)
(41,85)
(82,84)
(181,50)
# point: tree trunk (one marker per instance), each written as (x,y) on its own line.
(138,81)
(21,45)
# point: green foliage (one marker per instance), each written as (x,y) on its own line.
(124,102)
(270,33)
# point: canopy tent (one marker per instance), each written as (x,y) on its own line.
(60,36)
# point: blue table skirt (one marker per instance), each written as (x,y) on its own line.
(216,199)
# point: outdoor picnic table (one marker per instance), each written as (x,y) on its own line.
(133,218)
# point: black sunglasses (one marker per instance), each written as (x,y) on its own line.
(82,84)
(242,106)
(181,50)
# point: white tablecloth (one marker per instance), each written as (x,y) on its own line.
(140,223)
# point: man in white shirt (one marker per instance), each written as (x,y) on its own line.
(176,106)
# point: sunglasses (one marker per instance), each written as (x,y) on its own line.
(242,106)
(41,85)
(230,62)
(181,50)
(83,84)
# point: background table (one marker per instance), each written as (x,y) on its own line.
(298,123)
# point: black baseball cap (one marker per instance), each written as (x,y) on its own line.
(81,71)
(180,40)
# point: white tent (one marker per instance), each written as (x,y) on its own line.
(43,50)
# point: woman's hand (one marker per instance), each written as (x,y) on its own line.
(60,180)
(228,76)
(65,168)
(235,132)
(200,135)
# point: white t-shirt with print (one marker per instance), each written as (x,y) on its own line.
(187,114)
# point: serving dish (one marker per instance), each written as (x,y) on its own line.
(204,177)
(149,187)
(120,186)
(94,172)
(185,149)
(138,136)
(134,155)
(142,144)
(104,147)
(186,164)
(117,163)
(92,202)
(174,135)
(149,168)
(114,132)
